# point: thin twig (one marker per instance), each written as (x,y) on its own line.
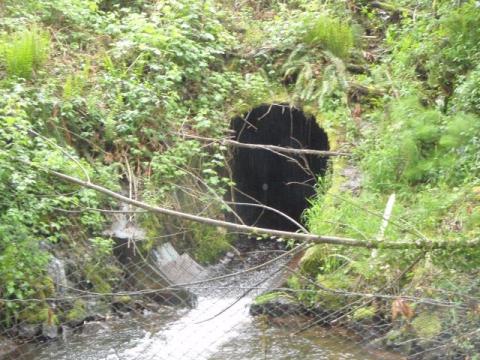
(322,239)
(280,149)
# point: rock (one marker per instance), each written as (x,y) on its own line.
(167,268)
(95,306)
(278,305)
(177,297)
(50,332)
(147,312)
(123,228)
(122,314)
(120,307)
(93,328)
(225,260)
(7,346)
(176,268)
(56,271)
(139,305)
(353,181)
(66,331)
(153,306)
(87,310)
(29,331)
(122,303)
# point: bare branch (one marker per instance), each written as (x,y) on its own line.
(276,148)
(321,239)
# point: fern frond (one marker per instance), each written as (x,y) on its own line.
(330,33)
(25,51)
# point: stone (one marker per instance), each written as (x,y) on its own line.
(7,346)
(95,327)
(278,306)
(50,332)
(56,271)
(353,180)
(147,312)
(29,331)
(153,306)
(87,310)
(225,260)
(66,331)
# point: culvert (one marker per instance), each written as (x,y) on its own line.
(282,181)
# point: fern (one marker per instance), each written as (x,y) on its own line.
(424,146)
(330,33)
(318,76)
(75,84)
(24,52)
(317,60)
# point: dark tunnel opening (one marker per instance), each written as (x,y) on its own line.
(283,182)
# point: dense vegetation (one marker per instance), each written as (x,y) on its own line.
(106,90)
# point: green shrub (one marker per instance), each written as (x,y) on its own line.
(467,94)
(338,281)
(269,297)
(318,259)
(364,313)
(419,145)
(75,84)
(427,325)
(462,34)
(330,33)
(209,244)
(78,311)
(25,51)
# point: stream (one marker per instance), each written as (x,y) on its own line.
(218,328)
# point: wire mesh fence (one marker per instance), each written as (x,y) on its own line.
(255,304)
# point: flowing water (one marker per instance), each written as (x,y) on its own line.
(218,328)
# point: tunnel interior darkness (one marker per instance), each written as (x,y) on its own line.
(281,182)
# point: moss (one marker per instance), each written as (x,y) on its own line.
(78,312)
(101,277)
(123,299)
(209,243)
(312,259)
(427,325)
(35,314)
(364,313)
(45,288)
(268,297)
(206,244)
(319,259)
(335,281)
(294,282)
(153,226)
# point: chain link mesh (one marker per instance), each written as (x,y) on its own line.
(252,305)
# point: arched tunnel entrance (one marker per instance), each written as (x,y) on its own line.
(282,181)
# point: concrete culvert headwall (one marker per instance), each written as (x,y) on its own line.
(281,181)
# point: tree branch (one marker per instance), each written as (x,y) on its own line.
(334,240)
(280,149)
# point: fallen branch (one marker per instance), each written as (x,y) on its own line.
(334,240)
(276,148)
(386,218)
(391,8)
(363,90)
